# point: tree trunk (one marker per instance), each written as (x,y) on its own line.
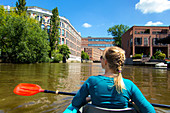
(64,59)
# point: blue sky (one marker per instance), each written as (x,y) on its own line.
(94,17)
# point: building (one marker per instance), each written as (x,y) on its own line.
(143,39)
(68,34)
(94,46)
(94,53)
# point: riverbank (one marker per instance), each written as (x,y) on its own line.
(141,62)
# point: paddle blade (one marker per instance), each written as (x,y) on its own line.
(26,89)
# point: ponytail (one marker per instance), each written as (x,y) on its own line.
(118,82)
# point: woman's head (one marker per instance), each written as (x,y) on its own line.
(115,58)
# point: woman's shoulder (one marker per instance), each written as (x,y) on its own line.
(95,77)
(128,81)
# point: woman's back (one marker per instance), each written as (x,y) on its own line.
(104,94)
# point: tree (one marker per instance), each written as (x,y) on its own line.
(54,32)
(21,8)
(22,40)
(3,17)
(84,55)
(65,51)
(117,31)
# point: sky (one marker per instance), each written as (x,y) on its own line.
(94,17)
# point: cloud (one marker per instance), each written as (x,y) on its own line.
(86,25)
(153,6)
(150,23)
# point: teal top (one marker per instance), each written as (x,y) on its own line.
(104,94)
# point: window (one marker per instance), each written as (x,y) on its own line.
(59,31)
(48,22)
(63,32)
(131,42)
(104,45)
(96,39)
(106,40)
(43,20)
(62,41)
(147,31)
(59,40)
(63,25)
(154,41)
(145,41)
(138,41)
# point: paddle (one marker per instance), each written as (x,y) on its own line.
(26,89)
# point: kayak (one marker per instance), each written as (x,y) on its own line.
(89,108)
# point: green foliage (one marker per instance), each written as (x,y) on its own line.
(137,56)
(2,15)
(117,31)
(54,32)
(22,40)
(84,55)
(21,8)
(87,56)
(159,55)
(152,57)
(64,50)
(57,58)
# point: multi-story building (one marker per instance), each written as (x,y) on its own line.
(95,45)
(68,34)
(143,39)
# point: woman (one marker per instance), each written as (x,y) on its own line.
(111,90)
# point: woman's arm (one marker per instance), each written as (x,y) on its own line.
(80,98)
(139,99)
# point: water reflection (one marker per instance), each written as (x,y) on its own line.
(68,77)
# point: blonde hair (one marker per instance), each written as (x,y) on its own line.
(115,57)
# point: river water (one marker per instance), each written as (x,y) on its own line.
(68,77)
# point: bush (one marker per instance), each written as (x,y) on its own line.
(159,55)
(152,57)
(45,59)
(84,55)
(57,58)
(137,56)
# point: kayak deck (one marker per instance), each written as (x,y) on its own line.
(89,108)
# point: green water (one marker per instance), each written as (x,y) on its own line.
(68,77)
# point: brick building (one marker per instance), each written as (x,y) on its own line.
(143,39)
(94,46)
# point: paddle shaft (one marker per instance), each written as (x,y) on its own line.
(73,94)
(160,105)
(63,93)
